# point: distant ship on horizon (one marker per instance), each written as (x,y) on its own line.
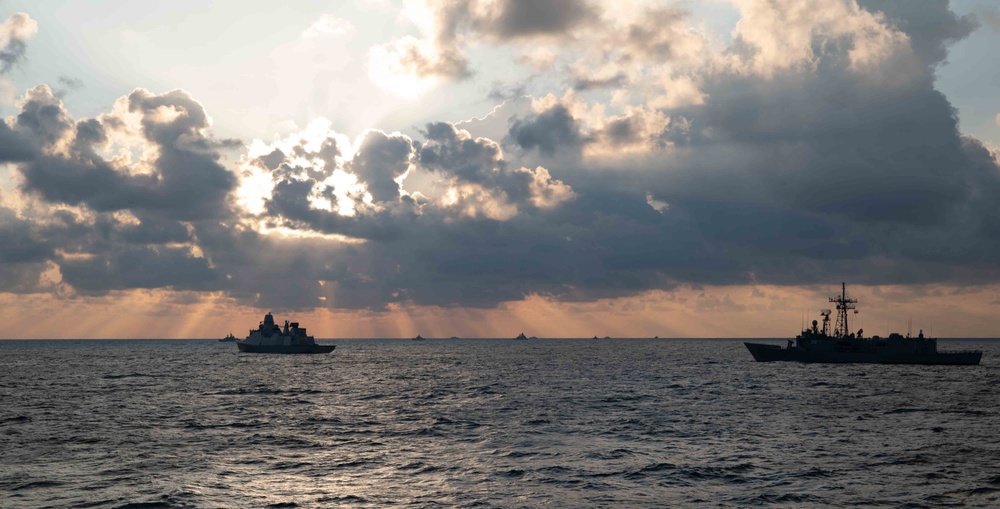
(229,338)
(820,345)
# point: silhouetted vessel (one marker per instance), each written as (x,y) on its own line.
(229,338)
(817,344)
(270,338)
(418,338)
(521,336)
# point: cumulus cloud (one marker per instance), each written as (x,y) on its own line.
(184,181)
(107,222)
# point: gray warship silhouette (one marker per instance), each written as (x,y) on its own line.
(818,345)
(270,338)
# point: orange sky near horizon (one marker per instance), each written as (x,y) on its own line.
(707,312)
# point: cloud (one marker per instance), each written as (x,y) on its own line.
(184,181)
(22,242)
(131,267)
(14,32)
(549,131)
(380,161)
(411,65)
(511,19)
(930,27)
(14,146)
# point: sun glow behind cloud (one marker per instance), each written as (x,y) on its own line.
(388,68)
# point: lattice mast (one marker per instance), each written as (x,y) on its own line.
(843,305)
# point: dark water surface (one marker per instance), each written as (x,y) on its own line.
(489,423)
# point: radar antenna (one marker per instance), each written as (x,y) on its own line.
(843,305)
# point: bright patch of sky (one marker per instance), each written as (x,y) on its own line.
(265,68)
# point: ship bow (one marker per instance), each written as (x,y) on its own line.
(765,353)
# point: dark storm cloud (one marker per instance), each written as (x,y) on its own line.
(188,181)
(549,131)
(285,273)
(15,147)
(153,229)
(289,206)
(518,18)
(875,155)
(930,25)
(455,153)
(22,278)
(130,267)
(380,160)
(469,160)
(22,243)
(42,115)
(273,160)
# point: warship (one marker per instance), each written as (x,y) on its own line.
(270,338)
(820,344)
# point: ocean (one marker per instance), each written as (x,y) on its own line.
(489,423)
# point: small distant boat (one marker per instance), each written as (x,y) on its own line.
(418,338)
(521,336)
(533,337)
(595,337)
(228,339)
(820,344)
(270,338)
(453,337)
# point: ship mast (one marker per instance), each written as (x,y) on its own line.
(843,304)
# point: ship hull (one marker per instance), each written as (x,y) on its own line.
(772,353)
(249,348)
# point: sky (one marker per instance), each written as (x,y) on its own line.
(565,168)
